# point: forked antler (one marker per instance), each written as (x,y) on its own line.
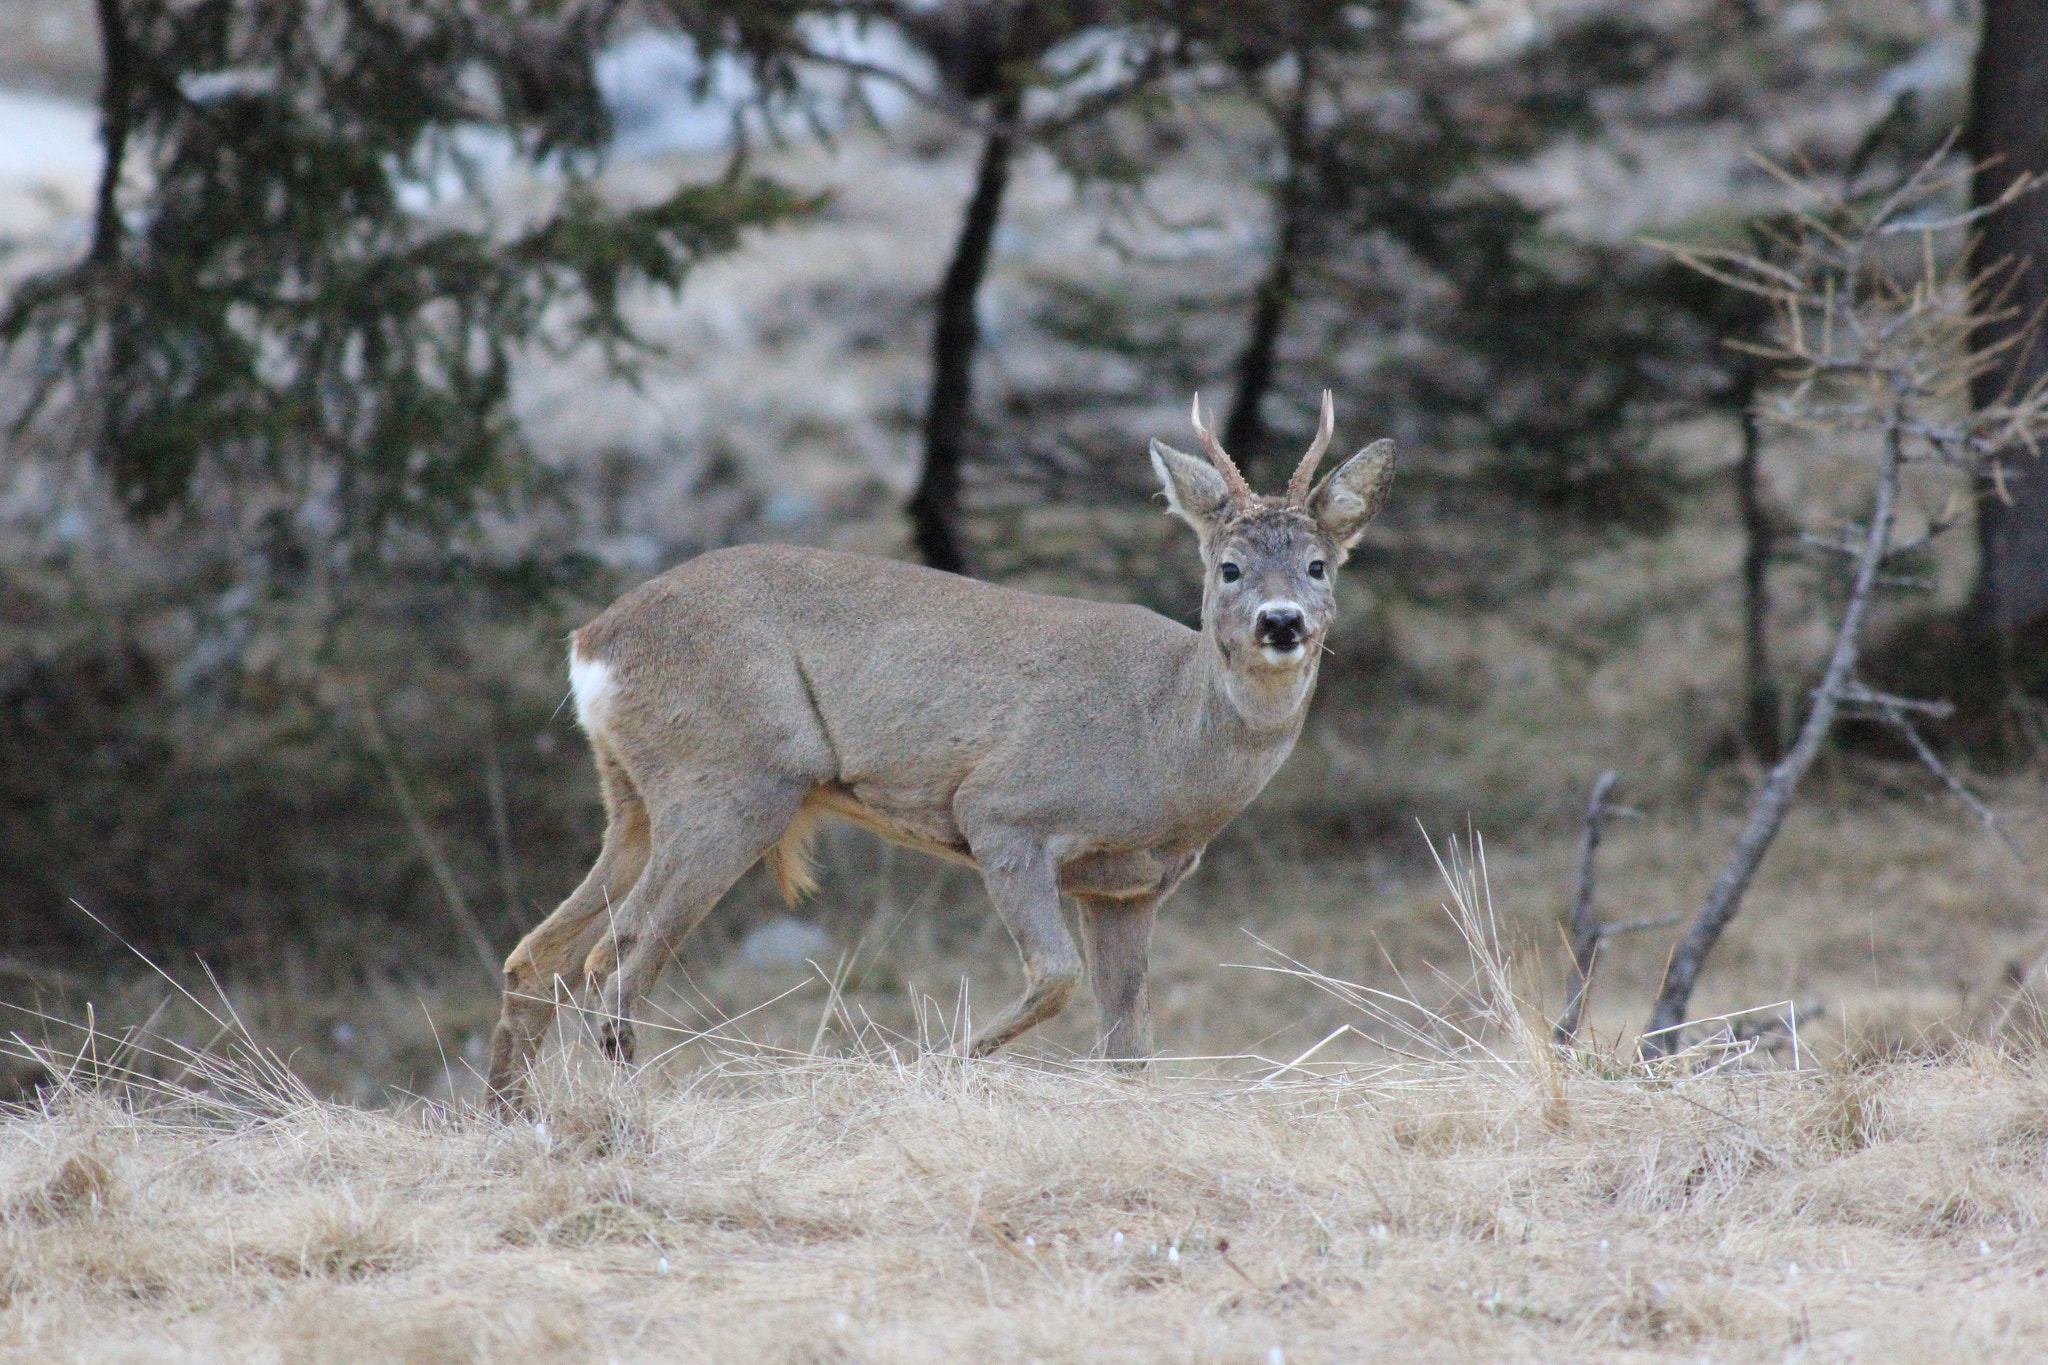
(1305,472)
(1233,482)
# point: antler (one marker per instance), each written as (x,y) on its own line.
(1233,482)
(1305,472)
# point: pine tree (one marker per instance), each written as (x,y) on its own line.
(273,300)
(1381,147)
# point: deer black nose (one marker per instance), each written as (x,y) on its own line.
(1279,626)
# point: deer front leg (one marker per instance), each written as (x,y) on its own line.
(1024,885)
(1119,935)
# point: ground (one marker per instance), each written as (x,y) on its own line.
(823,1179)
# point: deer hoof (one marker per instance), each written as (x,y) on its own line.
(616,1041)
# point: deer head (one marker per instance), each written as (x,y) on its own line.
(1269,562)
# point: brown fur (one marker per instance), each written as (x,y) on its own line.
(1059,746)
(790,861)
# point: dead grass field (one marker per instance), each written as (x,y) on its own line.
(840,1210)
(820,1182)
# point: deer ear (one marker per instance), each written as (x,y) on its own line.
(1194,490)
(1351,496)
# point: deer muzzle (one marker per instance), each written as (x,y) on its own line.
(1280,628)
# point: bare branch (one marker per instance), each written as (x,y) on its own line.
(1856,694)
(501,829)
(1894,710)
(423,838)
(1776,284)
(2022,184)
(1820,542)
(1631,926)
(1774,802)
(1586,933)
(1882,342)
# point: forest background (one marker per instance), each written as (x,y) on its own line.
(402,337)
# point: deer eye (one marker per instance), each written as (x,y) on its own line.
(1315,568)
(1231,573)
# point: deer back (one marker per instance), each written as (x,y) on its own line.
(899,686)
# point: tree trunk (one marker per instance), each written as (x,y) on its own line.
(935,507)
(1244,428)
(117,83)
(2009,124)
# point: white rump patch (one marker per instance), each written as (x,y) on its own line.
(590,680)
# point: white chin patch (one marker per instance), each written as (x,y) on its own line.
(1292,655)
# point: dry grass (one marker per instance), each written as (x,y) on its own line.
(868,1210)
(1453,1189)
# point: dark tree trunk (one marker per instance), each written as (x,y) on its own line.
(2009,124)
(1762,726)
(935,507)
(1244,428)
(117,84)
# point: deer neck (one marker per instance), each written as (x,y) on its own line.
(1269,703)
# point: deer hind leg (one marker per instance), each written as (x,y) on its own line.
(789,861)
(1119,938)
(538,974)
(1024,885)
(700,846)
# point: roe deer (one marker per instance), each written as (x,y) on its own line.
(1059,746)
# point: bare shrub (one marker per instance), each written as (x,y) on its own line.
(1878,335)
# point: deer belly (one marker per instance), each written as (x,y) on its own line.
(936,837)
(1117,875)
